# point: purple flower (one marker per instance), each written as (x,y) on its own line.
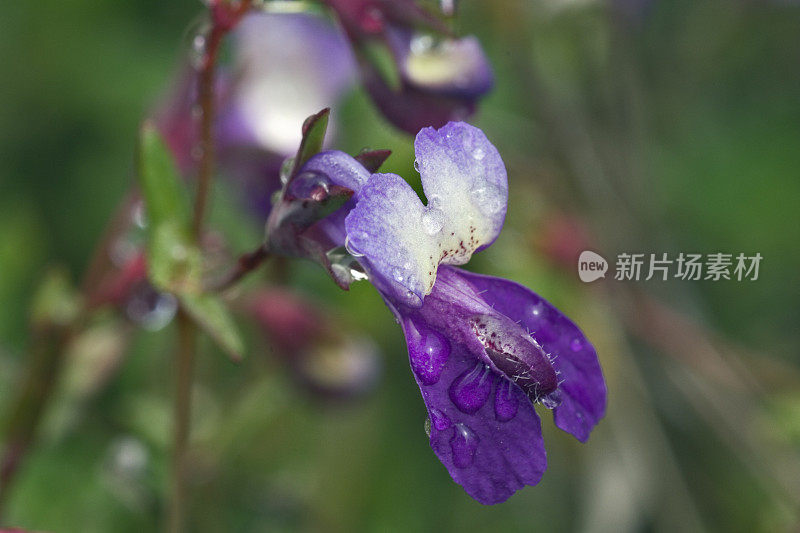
(286,67)
(433,77)
(483,350)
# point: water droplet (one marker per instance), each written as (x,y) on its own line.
(197,45)
(398,275)
(471,389)
(343,265)
(127,459)
(448,7)
(139,215)
(286,169)
(123,250)
(463,445)
(577,344)
(489,199)
(552,400)
(358,274)
(439,420)
(435,201)
(412,299)
(416,165)
(428,352)
(306,184)
(427,426)
(149,308)
(421,44)
(433,221)
(349,247)
(478,153)
(506,401)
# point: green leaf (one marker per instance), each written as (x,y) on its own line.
(174,262)
(164,195)
(380,58)
(210,313)
(314,129)
(56,302)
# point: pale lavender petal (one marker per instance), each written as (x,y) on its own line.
(337,168)
(583,390)
(462,169)
(288,66)
(404,241)
(384,230)
(446,66)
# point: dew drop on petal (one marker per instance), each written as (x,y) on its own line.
(398,275)
(489,199)
(427,427)
(577,344)
(428,352)
(412,299)
(416,165)
(439,420)
(506,402)
(463,445)
(470,390)
(478,153)
(433,221)
(421,43)
(552,400)
(350,249)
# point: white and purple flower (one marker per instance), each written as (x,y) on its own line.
(483,350)
(432,76)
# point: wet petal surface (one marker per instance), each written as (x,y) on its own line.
(582,389)
(403,240)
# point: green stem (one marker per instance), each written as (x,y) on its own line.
(46,358)
(184,366)
(187,330)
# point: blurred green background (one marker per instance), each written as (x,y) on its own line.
(674,128)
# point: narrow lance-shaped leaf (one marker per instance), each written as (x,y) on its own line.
(373,159)
(314,129)
(210,313)
(173,261)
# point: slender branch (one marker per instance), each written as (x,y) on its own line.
(246,264)
(46,359)
(224,17)
(207,105)
(184,367)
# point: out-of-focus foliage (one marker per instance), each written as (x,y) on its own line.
(674,129)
